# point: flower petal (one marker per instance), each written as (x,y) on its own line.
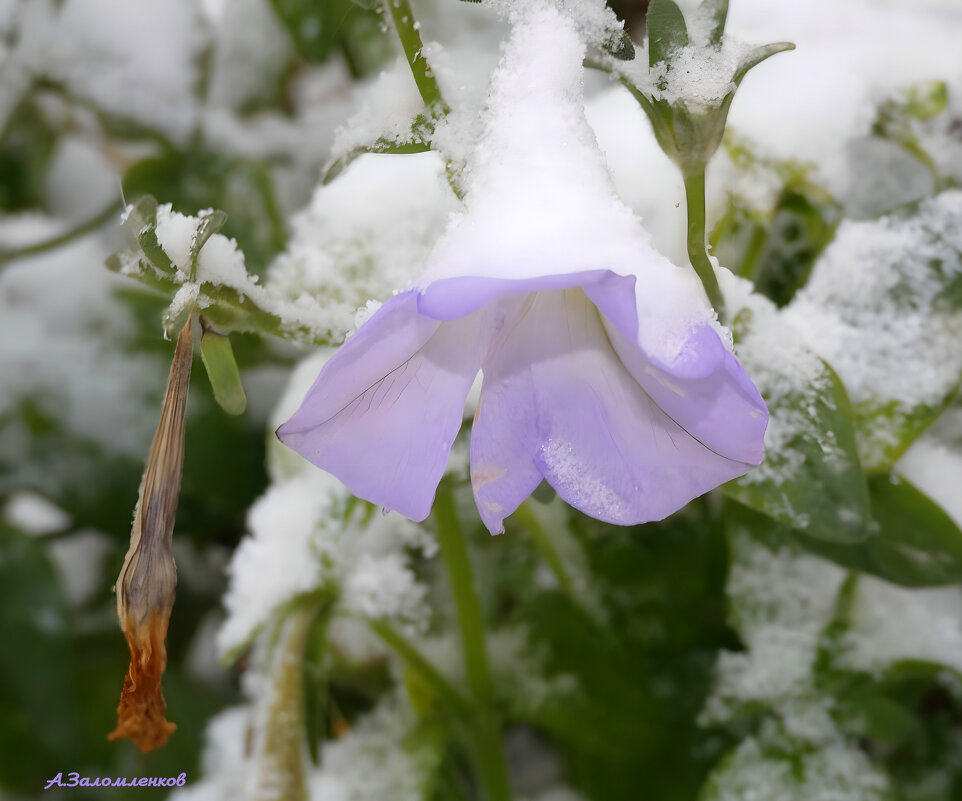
(705,389)
(384,412)
(557,397)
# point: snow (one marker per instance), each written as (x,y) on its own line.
(363,237)
(137,60)
(539,198)
(281,560)
(34,514)
(782,104)
(388,108)
(935,469)
(780,602)
(303,540)
(892,624)
(61,331)
(836,772)
(347,770)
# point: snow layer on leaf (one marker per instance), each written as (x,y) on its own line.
(250,51)
(891,624)
(875,308)
(787,373)
(848,56)
(936,470)
(697,75)
(837,771)
(781,601)
(137,60)
(539,198)
(388,109)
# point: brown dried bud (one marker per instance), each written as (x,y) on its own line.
(145,587)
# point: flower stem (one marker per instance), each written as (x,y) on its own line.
(542,540)
(487,728)
(697,252)
(407,31)
(431,675)
(92,224)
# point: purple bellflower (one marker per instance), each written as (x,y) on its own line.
(604,371)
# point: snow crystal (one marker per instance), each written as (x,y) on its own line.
(696,75)
(384,587)
(302,538)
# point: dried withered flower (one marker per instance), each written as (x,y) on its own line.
(145,587)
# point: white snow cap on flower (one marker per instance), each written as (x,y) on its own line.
(540,200)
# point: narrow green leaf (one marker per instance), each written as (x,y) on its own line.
(717,10)
(143,221)
(209,225)
(757,56)
(666,30)
(218,358)
(381,146)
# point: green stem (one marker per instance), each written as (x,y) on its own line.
(407,31)
(282,750)
(487,728)
(697,252)
(85,227)
(431,675)
(539,535)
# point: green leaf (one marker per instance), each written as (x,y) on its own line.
(28,142)
(926,100)
(757,56)
(384,146)
(210,223)
(666,31)
(813,480)
(143,221)
(912,541)
(718,13)
(802,224)
(887,429)
(621,47)
(218,358)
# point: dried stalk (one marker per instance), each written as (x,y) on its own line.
(145,587)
